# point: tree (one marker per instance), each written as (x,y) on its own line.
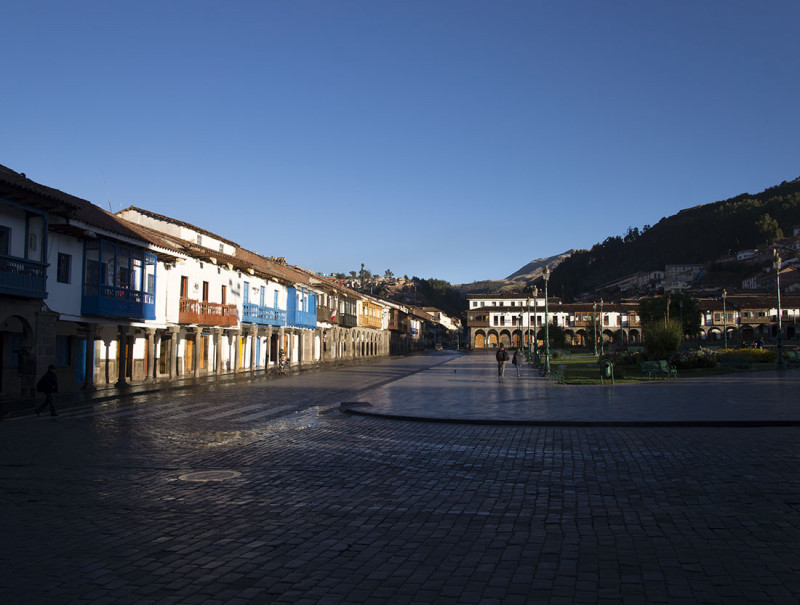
(388,274)
(558,336)
(769,228)
(677,306)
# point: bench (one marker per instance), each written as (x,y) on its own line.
(791,358)
(557,374)
(658,369)
(734,363)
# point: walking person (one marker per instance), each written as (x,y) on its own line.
(517,361)
(48,384)
(502,358)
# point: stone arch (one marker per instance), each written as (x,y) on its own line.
(505,338)
(493,339)
(480,339)
(18,371)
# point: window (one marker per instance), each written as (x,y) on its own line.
(5,237)
(184,286)
(33,242)
(199,240)
(64,268)
(224,295)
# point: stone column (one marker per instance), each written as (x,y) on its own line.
(253,331)
(269,348)
(88,378)
(235,338)
(172,362)
(123,355)
(151,369)
(196,352)
(217,351)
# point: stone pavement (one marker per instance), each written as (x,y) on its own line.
(467,389)
(264,492)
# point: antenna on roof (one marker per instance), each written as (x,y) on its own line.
(105,184)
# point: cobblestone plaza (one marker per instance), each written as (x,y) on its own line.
(513,491)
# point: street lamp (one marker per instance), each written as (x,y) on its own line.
(535,326)
(601,326)
(724,320)
(777,266)
(546,275)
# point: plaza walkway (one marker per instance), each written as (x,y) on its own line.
(467,389)
(520,491)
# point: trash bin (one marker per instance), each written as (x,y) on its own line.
(606,369)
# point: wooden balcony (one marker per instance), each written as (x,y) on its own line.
(113,301)
(21,277)
(369,321)
(204,313)
(263,315)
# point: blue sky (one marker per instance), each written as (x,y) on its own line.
(454,139)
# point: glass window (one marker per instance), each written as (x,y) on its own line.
(64,268)
(5,236)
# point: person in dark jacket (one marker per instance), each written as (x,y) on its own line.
(517,361)
(48,384)
(502,358)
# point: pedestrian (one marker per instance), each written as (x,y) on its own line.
(517,361)
(48,384)
(502,358)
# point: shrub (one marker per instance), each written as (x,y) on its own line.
(694,360)
(751,355)
(662,340)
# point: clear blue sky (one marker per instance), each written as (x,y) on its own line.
(454,139)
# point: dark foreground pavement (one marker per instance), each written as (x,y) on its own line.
(121,501)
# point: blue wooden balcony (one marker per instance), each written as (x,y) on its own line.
(263,315)
(302,319)
(20,277)
(118,280)
(113,301)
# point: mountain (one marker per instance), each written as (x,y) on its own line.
(517,281)
(701,234)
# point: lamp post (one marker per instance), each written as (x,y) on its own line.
(528,328)
(546,275)
(601,327)
(780,327)
(594,324)
(535,326)
(724,320)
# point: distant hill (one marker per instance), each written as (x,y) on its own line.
(518,280)
(696,235)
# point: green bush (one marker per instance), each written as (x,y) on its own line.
(751,355)
(694,360)
(661,340)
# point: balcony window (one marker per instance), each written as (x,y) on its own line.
(64,268)
(114,275)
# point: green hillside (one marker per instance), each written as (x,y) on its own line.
(694,235)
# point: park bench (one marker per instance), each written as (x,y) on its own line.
(557,374)
(734,363)
(657,369)
(791,358)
